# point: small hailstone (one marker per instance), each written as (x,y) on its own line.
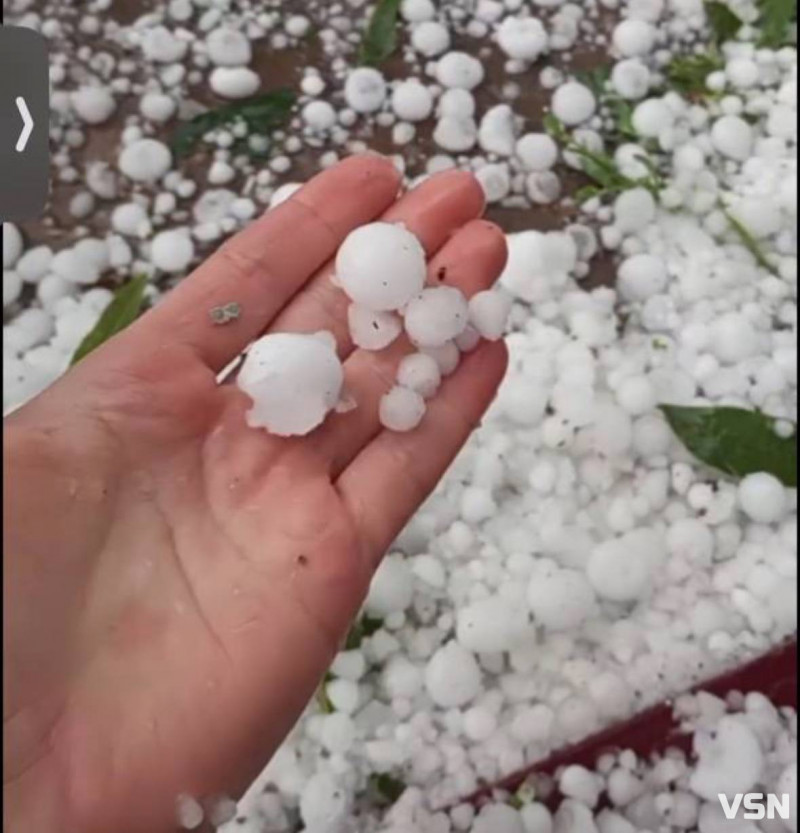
(228,47)
(651,117)
(537,151)
(732,136)
(573,817)
(401,409)
(579,783)
(494,624)
(456,135)
(498,818)
(560,598)
(420,373)
(234,82)
(34,264)
(457,104)
(172,250)
(145,160)
(343,695)
(189,813)
(157,107)
(160,45)
(787,785)
(459,70)
(495,181)
(634,210)
(372,330)
(573,103)
(762,497)
(337,733)
(452,676)
(488,313)
(435,316)
(294,380)
(543,187)
(392,587)
(417,11)
(412,101)
(430,38)
(522,38)
(381,266)
(632,38)
(221,811)
(324,803)
(447,356)
(93,104)
(730,761)
(631,79)
(620,569)
(496,130)
(536,818)
(319,116)
(12,245)
(12,286)
(641,276)
(365,90)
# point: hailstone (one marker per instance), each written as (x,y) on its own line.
(436,316)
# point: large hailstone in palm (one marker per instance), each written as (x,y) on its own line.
(293,379)
(381,266)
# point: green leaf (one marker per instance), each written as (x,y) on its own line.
(380,38)
(751,244)
(123,310)
(361,629)
(554,127)
(262,114)
(777,17)
(735,441)
(588,192)
(323,701)
(688,73)
(384,788)
(724,22)
(595,79)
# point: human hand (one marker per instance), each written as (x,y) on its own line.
(176,583)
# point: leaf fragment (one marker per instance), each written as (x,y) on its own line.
(381,36)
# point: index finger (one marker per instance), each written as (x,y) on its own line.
(262,267)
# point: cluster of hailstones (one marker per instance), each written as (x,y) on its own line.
(296,379)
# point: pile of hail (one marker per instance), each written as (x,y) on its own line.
(577,563)
(294,380)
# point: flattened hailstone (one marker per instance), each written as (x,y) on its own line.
(729,761)
(145,160)
(324,804)
(496,131)
(228,47)
(437,315)
(452,676)
(560,599)
(293,379)
(621,569)
(401,409)
(573,103)
(732,136)
(762,497)
(12,286)
(412,101)
(372,330)
(234,82)
(381,266)
(488,313)
(537,152)
(34,264)
(495,181)
(458,70)
(284,193)
(787,785)
(522,38)
(498,818)
(12,245)
(188,812)
(365,90)
(420,373)
(392,587)
(172,250)
(641,276)
(93,104)
(494,624)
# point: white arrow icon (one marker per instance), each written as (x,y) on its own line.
(27,124)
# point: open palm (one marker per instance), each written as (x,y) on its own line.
(175,583)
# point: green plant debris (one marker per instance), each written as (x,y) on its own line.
(724,22)
(225,313)
(361,629)
(381,35)
(751,244)
(384,789)
(735,441)
(687,74)
(262,114)
(323,701)
(601,168)
(777,17)
(123,310)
